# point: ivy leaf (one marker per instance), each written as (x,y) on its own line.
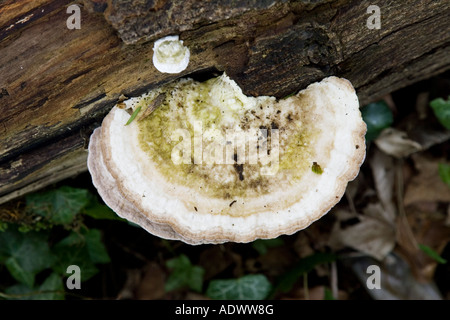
(100,211)
(82,249)
(96,250)
(25,254)
(444,173)
(262,245)
(377,116)
(305,265)
(18,291)
(60,205)
(249,287)
(441,109)
(184,274)
(51,289)
(18,272)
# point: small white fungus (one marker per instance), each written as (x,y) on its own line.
(170,55)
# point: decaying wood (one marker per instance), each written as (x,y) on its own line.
(56,84)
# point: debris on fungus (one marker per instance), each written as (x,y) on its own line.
(316,168)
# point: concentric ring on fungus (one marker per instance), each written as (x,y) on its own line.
(211,165)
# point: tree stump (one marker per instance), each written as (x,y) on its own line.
(57,83)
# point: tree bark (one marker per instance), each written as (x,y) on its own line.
(57,84)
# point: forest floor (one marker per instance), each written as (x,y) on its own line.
(388,238)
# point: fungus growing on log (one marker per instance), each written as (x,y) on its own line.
(211,165)
(170,55)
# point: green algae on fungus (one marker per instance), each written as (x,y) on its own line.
(218,113)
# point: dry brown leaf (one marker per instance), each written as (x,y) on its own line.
(383,171)
(426,133)
(275,262)
(372,234)
(221,257)
(419,227)
(376,211)
(427,185)
(302,245)
(373,237)
(396,143)
(133,277)
(151,286)
(422,107)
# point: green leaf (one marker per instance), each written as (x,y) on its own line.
(289,95)
(18,272)
(441,109)
(100,211)
(432,254)
(82,249)
(184,274)
(444,173)
(133,115)
(316,168)
(96,249)
(328,295)
(3,226)
(60,206)
(305,265)
(18,292)
(377,117)
(51,289)
(25,254)
(249,287)
(262,245)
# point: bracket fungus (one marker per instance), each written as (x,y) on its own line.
(170,55)
(209,164)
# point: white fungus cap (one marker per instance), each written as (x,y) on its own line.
(170,55)
(321,149)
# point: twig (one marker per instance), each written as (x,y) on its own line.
(351,204)
(400,207)
(334,280)
(153,105)
(305,285)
